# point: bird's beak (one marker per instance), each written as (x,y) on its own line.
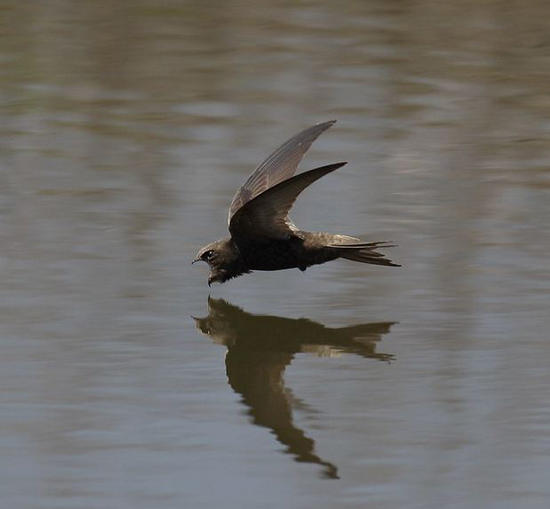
(195,260)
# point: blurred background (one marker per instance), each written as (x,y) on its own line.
(125,129)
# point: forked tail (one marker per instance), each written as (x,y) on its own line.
(365,252)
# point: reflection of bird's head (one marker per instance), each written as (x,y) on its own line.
(218,325)
(221,256)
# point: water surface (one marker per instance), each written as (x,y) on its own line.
(126,127)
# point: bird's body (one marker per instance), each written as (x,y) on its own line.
(262,235)
(300,251)
(297,252)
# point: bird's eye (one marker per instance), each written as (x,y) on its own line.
(208,255)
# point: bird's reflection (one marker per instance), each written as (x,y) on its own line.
(261,347)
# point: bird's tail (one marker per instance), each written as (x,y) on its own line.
(365,252)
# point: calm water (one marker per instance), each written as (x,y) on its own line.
(125,129)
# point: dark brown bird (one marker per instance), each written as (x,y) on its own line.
(262,235)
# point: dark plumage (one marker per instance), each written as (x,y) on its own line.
(262,235)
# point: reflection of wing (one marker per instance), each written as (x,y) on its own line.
(267,214)
(279,166)
(259,350)
(258,377)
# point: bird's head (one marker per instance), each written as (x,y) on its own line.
(221,257)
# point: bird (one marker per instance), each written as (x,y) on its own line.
(263,237)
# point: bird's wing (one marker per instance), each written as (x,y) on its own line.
(279,166)
(267,214)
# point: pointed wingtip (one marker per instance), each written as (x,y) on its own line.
(325,125)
